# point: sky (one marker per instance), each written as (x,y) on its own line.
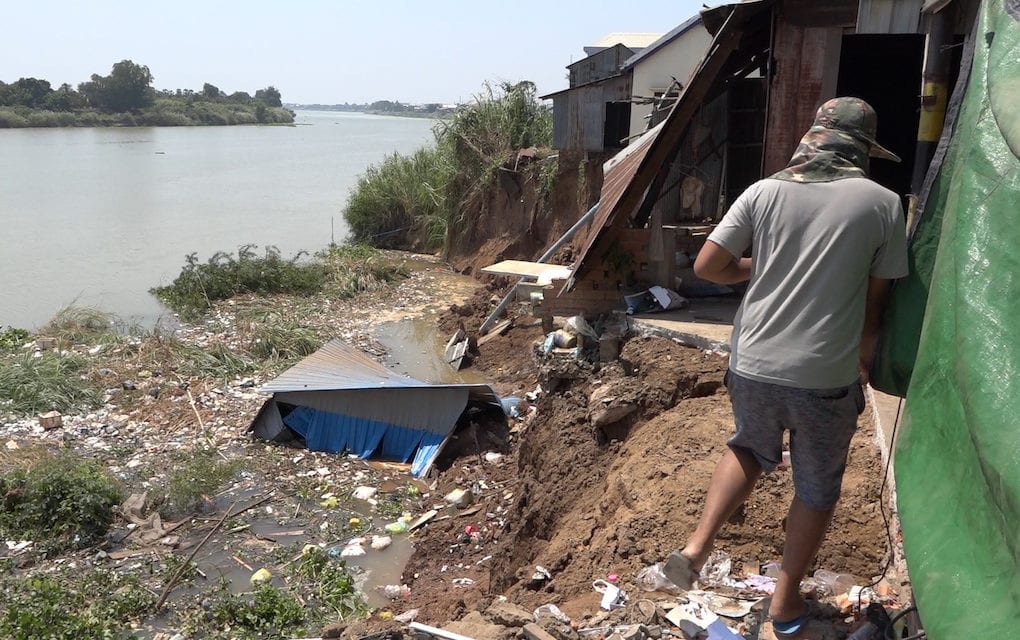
(321,51)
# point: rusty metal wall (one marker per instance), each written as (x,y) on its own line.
(579,115)
(599,66)
(806,64)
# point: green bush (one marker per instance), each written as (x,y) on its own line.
(331,584)
(11,119)
(71,605)
(267,612)
(49,382)
(224,276)
(59,503)
(428,199)
(11,338)
(195,478)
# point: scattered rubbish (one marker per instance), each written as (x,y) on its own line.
(541,574)
(834,583)
(456,350)
(353,549)
(551,611)
(654,299)
(395,591)
(381,542)
(385,615)
(329,502)
(365,493)
(460,498)
(397,527)
(354,522)
(722,605)
(12,445)
(613,578)
(695,618)
(423,519)
(462,582)
(764,584)
(578,326)
(51,420)
(716,571)
(653,578)
(493,457)
(564,339)
(260,576)
(407,616)
(612,596)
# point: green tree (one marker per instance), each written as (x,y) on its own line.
(64,99)
(128,87)
(240,97)
(269,96)
(26,92)
(211,91)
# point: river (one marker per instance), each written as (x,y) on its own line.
(97,216)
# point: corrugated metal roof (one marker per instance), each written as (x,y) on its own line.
(675,33)
(338,366)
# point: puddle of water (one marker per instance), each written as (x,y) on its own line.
(416,349)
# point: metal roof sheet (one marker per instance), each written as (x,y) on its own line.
(629,40)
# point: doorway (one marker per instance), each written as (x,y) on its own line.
(885,71)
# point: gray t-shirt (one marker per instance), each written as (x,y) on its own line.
(814,246)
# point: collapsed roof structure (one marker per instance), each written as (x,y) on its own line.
(339,399)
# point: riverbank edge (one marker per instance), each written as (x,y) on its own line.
(27,118)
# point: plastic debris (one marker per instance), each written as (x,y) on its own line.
(353,549)
(653,578)
(330,502)
(261,576)
(716,571)
(397,527)
(551,611)
(381,542)
(395,591)
(612,596)
(541,574)
(385,615)
(460,498)
(365,493)
(462,582)
(493,457)
(354,522)
(407,616)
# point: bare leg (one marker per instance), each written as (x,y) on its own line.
(732,482)
(805,528)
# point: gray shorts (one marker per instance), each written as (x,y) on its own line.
(821,423)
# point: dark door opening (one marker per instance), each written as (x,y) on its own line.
(885,71)
(617,125)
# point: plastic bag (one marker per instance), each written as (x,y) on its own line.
(652,578)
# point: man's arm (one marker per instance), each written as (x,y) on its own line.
(716,264)
(878,294)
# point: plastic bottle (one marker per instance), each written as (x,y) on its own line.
(834,583)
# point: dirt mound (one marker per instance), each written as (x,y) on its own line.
(584,503)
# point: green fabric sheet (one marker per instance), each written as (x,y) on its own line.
(958,454)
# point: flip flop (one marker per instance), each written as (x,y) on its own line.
(680,570)
(790,629)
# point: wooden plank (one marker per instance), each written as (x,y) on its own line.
(520,268)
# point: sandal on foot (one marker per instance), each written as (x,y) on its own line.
(680,570)
(789,629)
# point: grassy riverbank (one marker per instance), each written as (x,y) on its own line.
(165,112)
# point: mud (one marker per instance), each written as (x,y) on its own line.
(585,502)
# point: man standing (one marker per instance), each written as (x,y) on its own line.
(825,242)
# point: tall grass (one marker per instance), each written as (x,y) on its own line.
(429,199)
(30,384)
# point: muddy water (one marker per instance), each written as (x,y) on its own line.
(416,349)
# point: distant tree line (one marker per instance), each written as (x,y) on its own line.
(128,91)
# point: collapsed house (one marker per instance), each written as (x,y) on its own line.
(339,399)
(943,78)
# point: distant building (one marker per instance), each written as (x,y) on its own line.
(633,41)
(660,70)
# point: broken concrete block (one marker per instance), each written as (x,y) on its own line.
(51,420)
(534,632)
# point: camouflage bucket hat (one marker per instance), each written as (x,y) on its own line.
(855,117)
(837,145)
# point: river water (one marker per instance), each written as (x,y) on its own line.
(98,216)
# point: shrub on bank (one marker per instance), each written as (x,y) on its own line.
(71,605)
(31,385)
(428,199)
(58,503)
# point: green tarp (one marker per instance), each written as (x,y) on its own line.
(958,455)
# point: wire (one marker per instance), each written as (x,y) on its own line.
(881,508)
